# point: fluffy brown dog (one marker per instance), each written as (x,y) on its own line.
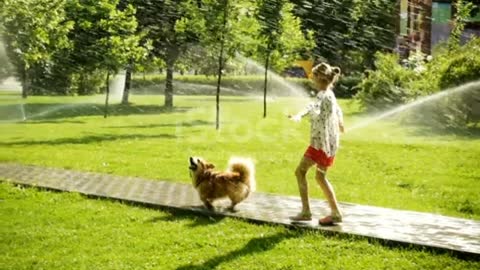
(236,183)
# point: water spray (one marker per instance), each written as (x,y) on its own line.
(423,100)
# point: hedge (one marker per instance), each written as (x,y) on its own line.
(235,85)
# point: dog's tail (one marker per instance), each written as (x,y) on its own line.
(246,169)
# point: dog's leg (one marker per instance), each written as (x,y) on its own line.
(208,205)
(232,207)
(237,197)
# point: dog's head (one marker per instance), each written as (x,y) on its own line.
(199,165)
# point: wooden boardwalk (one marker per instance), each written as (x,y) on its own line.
(406,227)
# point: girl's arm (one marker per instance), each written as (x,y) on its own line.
(340,118)
(297,117)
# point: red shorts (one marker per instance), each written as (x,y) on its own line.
(319,157)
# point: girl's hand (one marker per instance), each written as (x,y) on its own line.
(342,128)
(295,118)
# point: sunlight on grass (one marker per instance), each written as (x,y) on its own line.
(49,230)
(384,164)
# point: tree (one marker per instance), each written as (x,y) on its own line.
(6,69)
(282,38)
(463,11)
(220,61)
(293,43)
(269,15)
(330,21)
(34,31)
(171,26)
(372,29)
(219,18)
(344,29)
(104,38)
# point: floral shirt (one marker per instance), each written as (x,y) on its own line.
(325,119)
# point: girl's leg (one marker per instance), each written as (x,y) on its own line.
(301,173)
(328,192)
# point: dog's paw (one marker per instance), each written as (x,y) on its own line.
(232,210)
(209,207)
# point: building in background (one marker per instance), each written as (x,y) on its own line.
(425,23)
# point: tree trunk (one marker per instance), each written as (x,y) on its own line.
(220,64)
(128,83)
(219,81)
(169,85)
(107,95)
(25,83)
(265,85)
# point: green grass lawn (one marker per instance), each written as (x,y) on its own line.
(48,230)
(383,164)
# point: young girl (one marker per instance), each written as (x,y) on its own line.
(326,124)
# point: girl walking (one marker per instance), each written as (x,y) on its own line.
(326,124)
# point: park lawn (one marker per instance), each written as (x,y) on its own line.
(53,230)
(383,164)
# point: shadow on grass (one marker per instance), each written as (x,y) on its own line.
(232,99)
(255,245)
(90,139)
(51,111)
(59,121)
(262,244)
(468,133)
(193,123)
(195,220)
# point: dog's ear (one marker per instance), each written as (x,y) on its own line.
(209,166)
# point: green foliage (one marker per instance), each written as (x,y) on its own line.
(293,41)
(171,26)
(387,85)
(243,36)
(462,14)
(232,85)
(104,37)
(88,83)
(6,68)
(34,32)
(372,30)
(269,15)
(348,32)
(392,84)
(347,86)
(64,40)
(462,65)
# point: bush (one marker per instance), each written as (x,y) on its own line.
(387,85)
(392,84)
(231,85)
(239,85)
(348,86)
(463,67)
(91,83)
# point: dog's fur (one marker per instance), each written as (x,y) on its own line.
(236,183)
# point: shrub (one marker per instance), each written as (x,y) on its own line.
(84,83)
(231,85)
(463,67)
(347,86)
(387,85)
(392,84)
